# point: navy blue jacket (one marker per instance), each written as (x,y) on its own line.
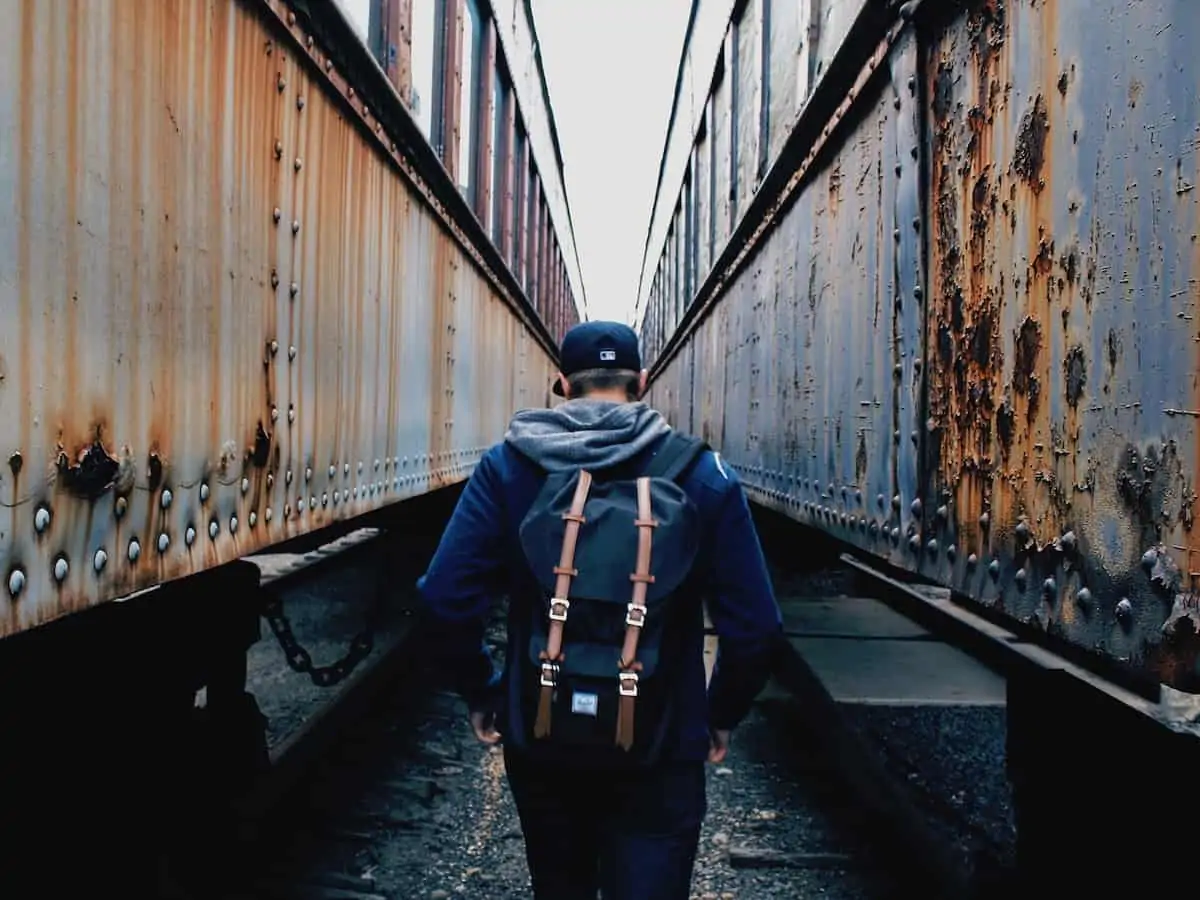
(479,560)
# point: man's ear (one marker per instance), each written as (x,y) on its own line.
(565,385)
(642,383)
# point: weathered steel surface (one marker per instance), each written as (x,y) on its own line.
(1024,405)
(807,373)
(1062,340)
(228,317)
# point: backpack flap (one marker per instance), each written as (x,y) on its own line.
(607,546)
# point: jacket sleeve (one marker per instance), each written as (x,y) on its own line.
(743,610)
(463,580)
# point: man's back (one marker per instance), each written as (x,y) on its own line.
(629,832)
(481,559)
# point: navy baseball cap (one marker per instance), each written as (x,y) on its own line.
(598,345)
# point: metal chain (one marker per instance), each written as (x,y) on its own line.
(300,660)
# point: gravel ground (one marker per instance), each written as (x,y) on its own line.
(412,806)
(950,760)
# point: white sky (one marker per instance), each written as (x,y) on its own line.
(610,67)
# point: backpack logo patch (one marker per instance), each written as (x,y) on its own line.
(584,704)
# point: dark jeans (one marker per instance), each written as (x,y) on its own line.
(631,836)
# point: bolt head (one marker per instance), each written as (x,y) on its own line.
(16,582)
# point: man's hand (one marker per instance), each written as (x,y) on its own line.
(483,724)
(718,746)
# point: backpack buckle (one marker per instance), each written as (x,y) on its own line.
(636,616)
(549,673)
(558,608)
(628,684)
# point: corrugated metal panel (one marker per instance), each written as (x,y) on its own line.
(1063,343)
(1020,422)
(231,320)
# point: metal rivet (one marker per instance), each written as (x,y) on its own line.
(245,485)
(253,518)
(268,514)
(951,552)
(312,502)
(287,478)
(277,214)
(376,464)
(994,569)
(1084,597)
(165,500)
(189,536)
(984,520)
(896,536)
(291,413)
(213,529)
(1124,609)
(280,82)
(932,547)
(916,508)
(135,550)
(274,413)
(1049,588)
(914,543)
(291,20)
(942,513)
(325,498)
(1069,542)
(345,494)
(274,345)
(270,480)
(896,501)
(298,164)
(291,352)
(1149,558)
(119,508)
(360,466)
(1019,578)
(100,560)
(61,568)
(332,471)
(203,493)
(300,102)
(972,560)
(279,149)
(164,541)
(308,473)
(1022,531)
(295,226)
(41,519)
(294,288)
(346,469)
(233,524)
(16,582)
(355,494)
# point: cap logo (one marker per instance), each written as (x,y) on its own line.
(608,355)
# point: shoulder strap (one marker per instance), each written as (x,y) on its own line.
(675,455)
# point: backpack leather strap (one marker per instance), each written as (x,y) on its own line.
(559,604)
(635,617)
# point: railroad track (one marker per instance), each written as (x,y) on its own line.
(378,789)
(408,804)
(398,799)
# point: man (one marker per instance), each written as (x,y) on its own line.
(630,833)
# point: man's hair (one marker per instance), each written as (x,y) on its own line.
(588,380)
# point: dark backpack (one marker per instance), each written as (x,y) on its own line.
(610,551)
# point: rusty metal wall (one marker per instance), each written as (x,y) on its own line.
(229,318)
(968,346)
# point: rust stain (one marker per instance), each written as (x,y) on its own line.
(183,358)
